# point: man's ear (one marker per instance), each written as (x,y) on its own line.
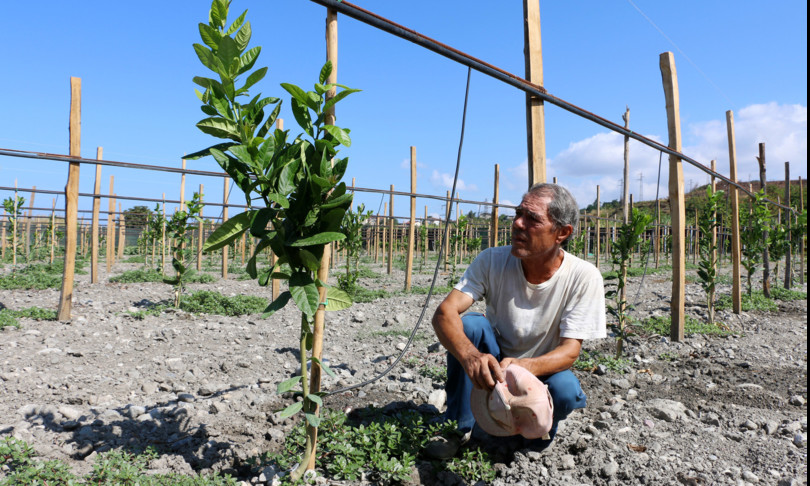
(564,232)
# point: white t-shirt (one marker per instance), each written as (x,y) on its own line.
(530,319)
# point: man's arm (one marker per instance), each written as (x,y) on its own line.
(480,367)
(558,359)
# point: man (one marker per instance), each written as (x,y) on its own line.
(541,303)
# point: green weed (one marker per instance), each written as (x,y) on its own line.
(208,302)
(660,325)
(781,293)
(756,300)
(588,360)
(473,466)
(8,317)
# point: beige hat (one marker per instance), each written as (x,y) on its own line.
(519,405)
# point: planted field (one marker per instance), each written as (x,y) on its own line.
(193,390)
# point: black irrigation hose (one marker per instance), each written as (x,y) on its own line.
(445,234)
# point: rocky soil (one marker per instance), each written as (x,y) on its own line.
(201,388)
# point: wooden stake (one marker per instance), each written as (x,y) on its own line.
(71,201)
(121,232)
(52,236)
(200,231)
(94,225)
(788,255)
(598,229)
(766,260)
(391,240)
(734,196)
(225,218)
(626,179)
(714,218)
(110,234)
(412,223)
(535,114)
(183,186)
(676,195)
(493,242)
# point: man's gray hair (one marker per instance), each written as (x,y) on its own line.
(562,209)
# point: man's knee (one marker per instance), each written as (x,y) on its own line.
(566,393)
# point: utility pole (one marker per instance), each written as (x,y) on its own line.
(641,186)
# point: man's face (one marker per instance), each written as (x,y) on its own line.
(533,232)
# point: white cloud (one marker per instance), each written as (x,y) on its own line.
(445,181)
(406,164)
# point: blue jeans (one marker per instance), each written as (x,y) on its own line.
(566,392)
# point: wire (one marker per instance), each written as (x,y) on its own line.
(445,235)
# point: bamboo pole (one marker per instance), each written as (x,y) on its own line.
(626,178)
(71,201)
(225,218)
(714,218)
(598,213)
(52,235)
(676,195)
(493,242)
(110,235)
(323,269)
(535,107)
(390,263)
(788,280)
(121,232)
(28,221)
(766,260)
(412,223)
(95,222)
(200,231)
(736,289)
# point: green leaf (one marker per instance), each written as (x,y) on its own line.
(228,51)
(301,114)
(304,293)
(333,100)
(242,37)
(247,59)
(287,385)
(291,410)
(220,128)
(171,281)
(296,92)
(236,23)
(277,304)
(250,268)
(218,13)
(209,35)
(228,231)
(309,260)
(313,419)
(337,299)
(340,134)
(209,60)
(326,70)
(345,199)
(315,399)
(324,367)
(254,78)
(286,180)
(319,239)
(277,198)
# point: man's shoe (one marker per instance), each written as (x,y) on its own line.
(443,447)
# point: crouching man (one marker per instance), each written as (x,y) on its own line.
(541,303)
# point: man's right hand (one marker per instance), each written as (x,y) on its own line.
(483,369)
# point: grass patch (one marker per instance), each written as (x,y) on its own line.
(660,325)
(38,276)
(151,275)
(368,295)
(110,468)
(755,301)
(136,259)
(207,302)
(378,447)
(437,290)
(436,374)
(588,360)
(9,317)
(781,293)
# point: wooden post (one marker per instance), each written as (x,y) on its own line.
(183,185)
(802,237)
(626,178)
(200,231)
(71,201)
(121,232)
(163,237)
(412,224)
(734,196)
(535,108)
(28,221)
(323,270)
(676,195)
(788,255)
(110,234)
(494,241)
(714,218)
(94,224)
(225,218)
(391,240)
(597,246)
(766,261)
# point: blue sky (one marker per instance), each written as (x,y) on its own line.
(136,63)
